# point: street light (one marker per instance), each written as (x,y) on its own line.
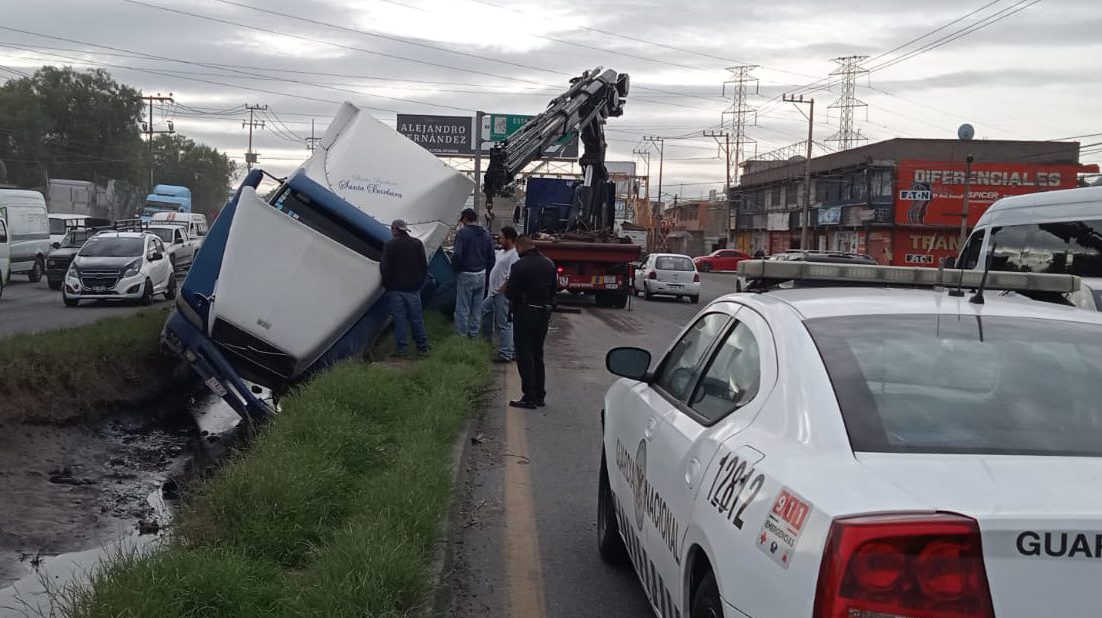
(965,133)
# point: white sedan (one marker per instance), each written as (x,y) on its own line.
(667,274)
(860,452)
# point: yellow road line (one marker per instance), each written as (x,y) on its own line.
(524,579)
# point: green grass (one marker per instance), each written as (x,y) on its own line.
(59,375)
(332,511)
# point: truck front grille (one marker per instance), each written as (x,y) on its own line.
(250,348)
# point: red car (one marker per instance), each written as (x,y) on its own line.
(723,259)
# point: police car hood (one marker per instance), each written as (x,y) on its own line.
(1040,519)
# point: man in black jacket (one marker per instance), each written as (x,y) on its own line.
(404,267)
(530,289)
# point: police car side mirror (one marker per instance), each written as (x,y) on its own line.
(631,363)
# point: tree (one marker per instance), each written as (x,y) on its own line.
(178,160)
(63,123)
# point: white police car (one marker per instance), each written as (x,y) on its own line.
(862,452)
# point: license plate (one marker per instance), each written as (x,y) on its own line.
(675,285)
(215,386)
(99,289)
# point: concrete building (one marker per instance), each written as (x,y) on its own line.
(900,201)
(698,227)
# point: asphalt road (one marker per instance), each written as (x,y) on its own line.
(528,510)
(32,307)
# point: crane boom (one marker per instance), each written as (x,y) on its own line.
(584,108)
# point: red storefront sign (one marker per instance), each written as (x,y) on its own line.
(923,247)
(932,192)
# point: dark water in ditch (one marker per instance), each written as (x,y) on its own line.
(73,495)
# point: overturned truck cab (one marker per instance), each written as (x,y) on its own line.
(285,287)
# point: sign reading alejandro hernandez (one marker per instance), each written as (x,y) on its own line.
(438,134)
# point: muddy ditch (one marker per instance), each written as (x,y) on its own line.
(71,494)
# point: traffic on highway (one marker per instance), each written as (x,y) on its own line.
(544,311)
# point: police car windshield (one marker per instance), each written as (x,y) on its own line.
(112,246)
(949,384)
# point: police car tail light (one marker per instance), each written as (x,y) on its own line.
(927,565)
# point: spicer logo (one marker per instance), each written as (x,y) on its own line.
(1060,544)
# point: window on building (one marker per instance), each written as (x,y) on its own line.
(880,183)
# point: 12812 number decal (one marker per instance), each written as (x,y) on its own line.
(734,488)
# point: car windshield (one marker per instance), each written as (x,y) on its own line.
(949,384)
(112,246)
(165,234)
(75,240)
(673,262)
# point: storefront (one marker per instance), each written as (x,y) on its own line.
(930,202)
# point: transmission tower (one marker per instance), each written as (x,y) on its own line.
(740,114)
(849,67)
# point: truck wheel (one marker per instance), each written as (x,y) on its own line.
(35,275)
(54,284)
(620,300)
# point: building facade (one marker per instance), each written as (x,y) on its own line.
(697,227)
(900,201)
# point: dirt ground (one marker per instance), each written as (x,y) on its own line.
(75,487)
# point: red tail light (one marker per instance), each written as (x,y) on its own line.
(906,565)
(696,277)
(560,270)
(652,274)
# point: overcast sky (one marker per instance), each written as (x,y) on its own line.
(1033,74)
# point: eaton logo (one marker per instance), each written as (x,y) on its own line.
(914,195)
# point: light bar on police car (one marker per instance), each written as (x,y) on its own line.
(909,276)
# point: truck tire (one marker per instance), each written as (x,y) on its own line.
(620,301)
(36,271)
(55,284)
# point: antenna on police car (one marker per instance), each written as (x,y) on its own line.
(977,298)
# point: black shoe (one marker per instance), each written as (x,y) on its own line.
(520,403)
(501,360)
(540,403)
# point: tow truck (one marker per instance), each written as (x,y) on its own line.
(573,221)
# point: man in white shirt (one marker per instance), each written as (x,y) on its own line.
(495,308)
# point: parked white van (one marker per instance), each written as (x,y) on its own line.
(1048,232)
(5,257)
(196,223)
(28,231)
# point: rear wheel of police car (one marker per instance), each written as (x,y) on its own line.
(147,293)
(609,543)
(706,602)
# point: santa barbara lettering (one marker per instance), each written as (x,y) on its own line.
(995,178)
(1060,544)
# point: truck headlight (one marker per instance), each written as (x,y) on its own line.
(133,268)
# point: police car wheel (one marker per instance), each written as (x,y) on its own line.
(706,603)
(609,543)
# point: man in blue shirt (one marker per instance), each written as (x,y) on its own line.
(472,257)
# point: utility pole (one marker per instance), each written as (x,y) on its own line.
(149,128)
(312,142)
(740,111)
(661,157)
(476,140)
(807,162)
(725,146)
(849,67)
(967,190)
(251,123)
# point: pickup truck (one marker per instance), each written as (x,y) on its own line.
(180,245)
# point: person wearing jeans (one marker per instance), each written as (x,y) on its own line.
(404,267)
(472,257)
(495,309)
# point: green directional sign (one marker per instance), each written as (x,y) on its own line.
(496,127)
(504,125)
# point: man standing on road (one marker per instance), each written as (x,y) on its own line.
(404,267)
(530,289)
(495,309)
(472,258)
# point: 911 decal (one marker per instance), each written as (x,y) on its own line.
(783,526)
(734,488)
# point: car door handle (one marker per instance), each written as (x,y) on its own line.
(648,433)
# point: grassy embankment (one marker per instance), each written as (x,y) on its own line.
(63,375)
(333,511)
